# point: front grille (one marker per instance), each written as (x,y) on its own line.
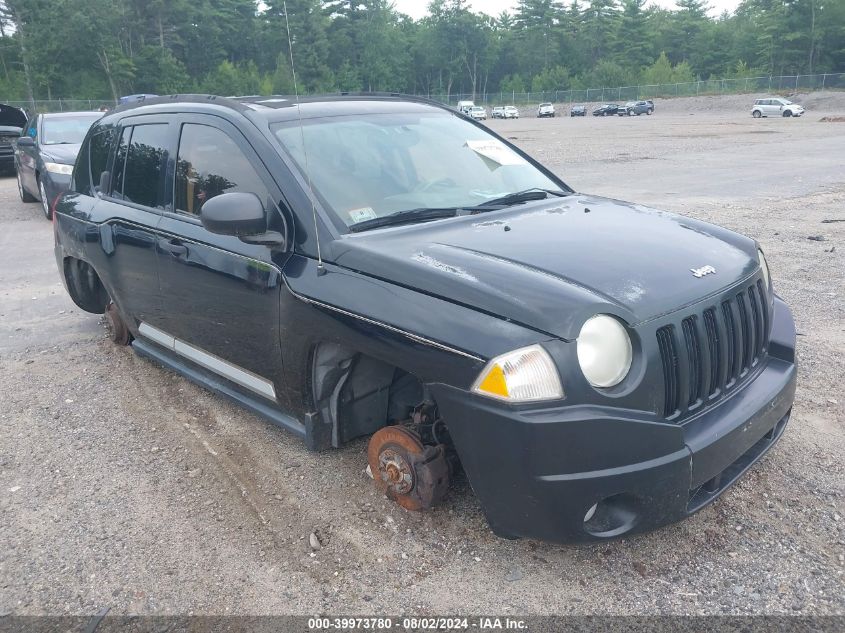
(706,354)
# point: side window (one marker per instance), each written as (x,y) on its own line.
(32,127)
(140,180)
(209,163)
(120,162)
(99,148)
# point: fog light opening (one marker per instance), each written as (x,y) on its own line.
(612,516)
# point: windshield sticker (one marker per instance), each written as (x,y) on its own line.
(497,152)
(362,215)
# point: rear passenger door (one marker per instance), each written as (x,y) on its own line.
(133,195)
(220,294)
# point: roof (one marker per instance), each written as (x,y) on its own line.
(283,107)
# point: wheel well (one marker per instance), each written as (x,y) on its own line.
(356,395)
(84,286)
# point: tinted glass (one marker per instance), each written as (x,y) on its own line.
(145,161)
(67,129)
(210,163)
(120,161)
(367,166)
(100,145)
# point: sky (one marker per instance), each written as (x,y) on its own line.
(417,8)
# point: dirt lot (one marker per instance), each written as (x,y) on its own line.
(125,486)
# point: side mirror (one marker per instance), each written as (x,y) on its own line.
(26,141)
(238,214)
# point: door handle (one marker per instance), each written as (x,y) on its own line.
(175,248)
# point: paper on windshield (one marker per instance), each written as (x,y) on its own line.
(496,151)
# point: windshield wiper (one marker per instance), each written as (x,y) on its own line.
(519,197)
(406,217)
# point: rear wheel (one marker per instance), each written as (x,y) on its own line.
(23,193)
(45,201)
(115,326)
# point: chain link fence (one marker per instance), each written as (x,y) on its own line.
(769,84)
(772,84)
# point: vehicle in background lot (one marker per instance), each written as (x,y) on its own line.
(465,106)
(578,110)
(637,107)
(134,98)
(12,123)
(545,110)
(511,112)
(606,109)
(372,288)
(498,112)
(478,113)
(45,154)
(776,107)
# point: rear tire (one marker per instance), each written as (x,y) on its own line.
(45,201)
(23,193)
(118,332)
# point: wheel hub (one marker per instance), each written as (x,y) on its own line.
(413,475)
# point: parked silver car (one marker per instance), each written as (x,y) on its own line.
(776,107)
(478,113)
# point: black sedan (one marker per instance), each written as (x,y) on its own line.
(578,110)
(46,153)
(606,109)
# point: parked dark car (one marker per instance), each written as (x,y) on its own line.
(607,109)
(578,110)
(596,368)
(12,123)
(46,153)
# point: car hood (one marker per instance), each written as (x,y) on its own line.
(12,116)
(64,153)
(551,265)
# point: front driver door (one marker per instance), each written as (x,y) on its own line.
(220,294)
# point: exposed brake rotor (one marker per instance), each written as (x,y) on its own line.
(411,474)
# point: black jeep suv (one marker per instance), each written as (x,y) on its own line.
(387,267)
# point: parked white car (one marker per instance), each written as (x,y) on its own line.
(478,113)
(545,109)
(776,107)
(511,112)
(498,112)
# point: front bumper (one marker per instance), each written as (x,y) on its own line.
(539,472)
(54,185)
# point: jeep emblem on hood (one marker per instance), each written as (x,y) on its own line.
(704,270)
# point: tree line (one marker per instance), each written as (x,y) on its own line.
(102,49)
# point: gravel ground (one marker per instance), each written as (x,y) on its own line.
(125,486)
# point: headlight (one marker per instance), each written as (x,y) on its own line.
(524,375)
(604,351)
(59,168)
(764,266)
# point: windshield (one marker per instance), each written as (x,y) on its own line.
(364,167)
(67,129)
